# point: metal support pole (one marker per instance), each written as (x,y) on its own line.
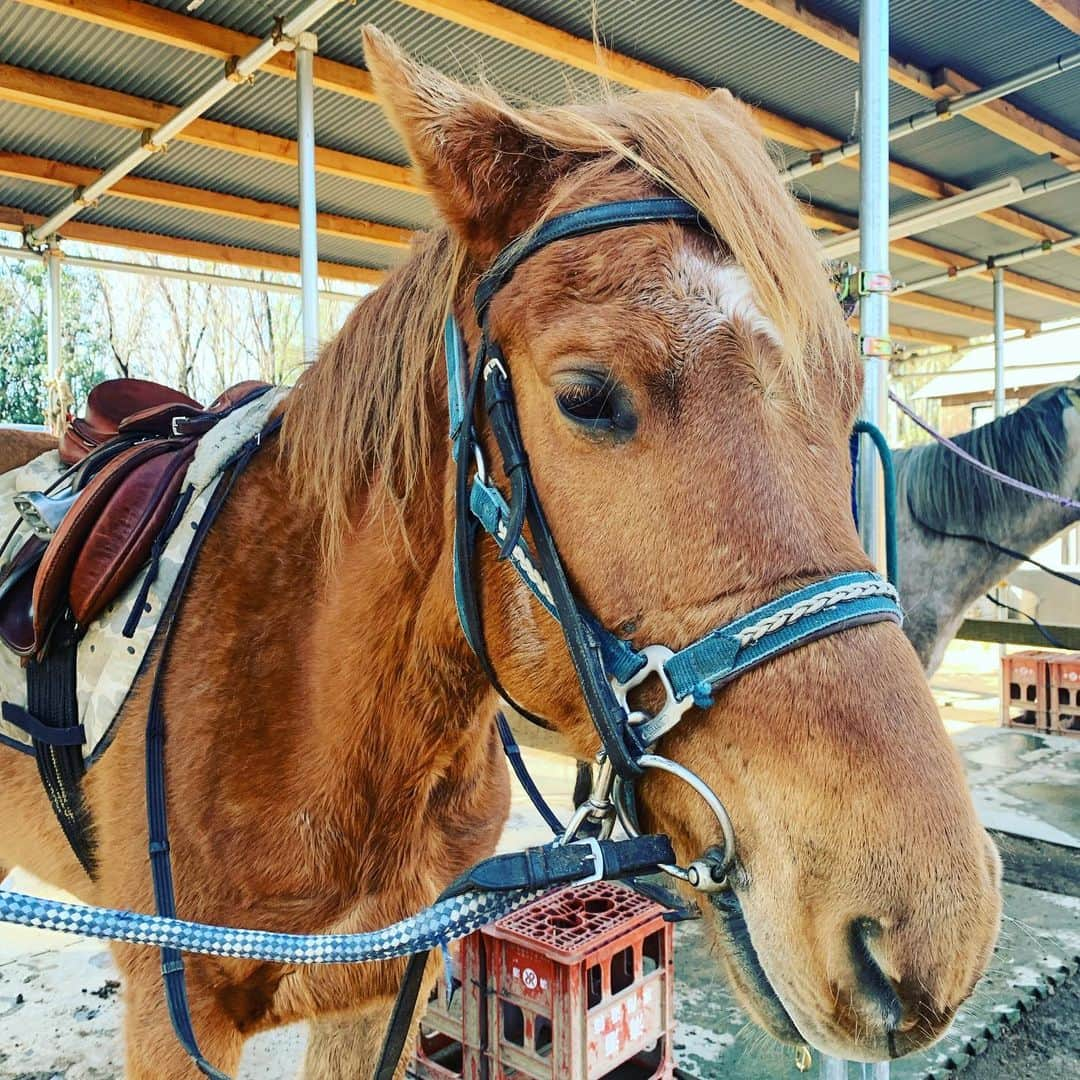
(999,393)
(54,327)
(999,341)
(837,1069)
(306,46)
(874,344)
(57,393)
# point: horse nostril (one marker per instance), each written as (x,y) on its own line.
(870,981)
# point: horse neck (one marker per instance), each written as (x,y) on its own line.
(943,577)
(398,723)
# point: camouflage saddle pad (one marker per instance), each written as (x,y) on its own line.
(109,662)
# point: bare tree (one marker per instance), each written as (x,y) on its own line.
(189,315)
(127,315)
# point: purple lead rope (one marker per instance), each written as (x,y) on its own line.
(981,466)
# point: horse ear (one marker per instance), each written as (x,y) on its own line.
(721,98)
(475,156)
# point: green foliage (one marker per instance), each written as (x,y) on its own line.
(85,348)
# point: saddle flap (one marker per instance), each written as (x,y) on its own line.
(17,597)
(126,529)
(51,581)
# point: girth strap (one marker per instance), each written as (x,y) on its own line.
(172,961)
(52,702)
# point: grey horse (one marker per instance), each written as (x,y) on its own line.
(937,492)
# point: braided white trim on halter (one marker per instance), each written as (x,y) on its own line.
(812,605)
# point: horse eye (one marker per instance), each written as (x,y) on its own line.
(599,405)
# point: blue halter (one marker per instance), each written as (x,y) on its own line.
(689,676)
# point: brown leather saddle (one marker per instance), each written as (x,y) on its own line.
(127,457)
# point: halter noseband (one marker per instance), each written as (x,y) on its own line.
(610,667)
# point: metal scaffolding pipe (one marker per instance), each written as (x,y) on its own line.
(945,109)
(306,46)
(999,393)
(995,263)
(140,270)
(999,341)
(156,139)
(874,344)
(54,321)
(55,385)
(991,196)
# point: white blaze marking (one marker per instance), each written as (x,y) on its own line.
(726,291)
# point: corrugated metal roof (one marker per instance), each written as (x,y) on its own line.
(26,130)
(925,319)
(73,49)
(31,197)
(1060,268)
(722,44)
(218,170)
(713,43)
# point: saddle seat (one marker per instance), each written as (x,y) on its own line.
(127,457)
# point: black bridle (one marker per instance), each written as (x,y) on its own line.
(607,666)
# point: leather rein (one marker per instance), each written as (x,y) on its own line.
(609,667)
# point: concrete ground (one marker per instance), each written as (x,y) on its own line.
(60,1012)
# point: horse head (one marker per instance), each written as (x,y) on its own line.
(685,395)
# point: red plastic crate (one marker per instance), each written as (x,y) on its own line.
(1064,691)
(577,985)
(1025,691)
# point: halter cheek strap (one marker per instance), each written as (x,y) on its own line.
(609,667)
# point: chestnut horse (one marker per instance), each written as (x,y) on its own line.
(332,760)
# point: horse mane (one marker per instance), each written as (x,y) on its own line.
(1028,445)
(358,427)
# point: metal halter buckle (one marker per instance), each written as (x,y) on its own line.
(673,709)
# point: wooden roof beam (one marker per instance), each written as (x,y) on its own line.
(199,36)
(1000,117)
(161,193)
(913,333)
(1010,122)
(962,311)
(1066,12)
(25,87)
(13,220)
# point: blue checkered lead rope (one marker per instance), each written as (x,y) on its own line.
(443,921)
